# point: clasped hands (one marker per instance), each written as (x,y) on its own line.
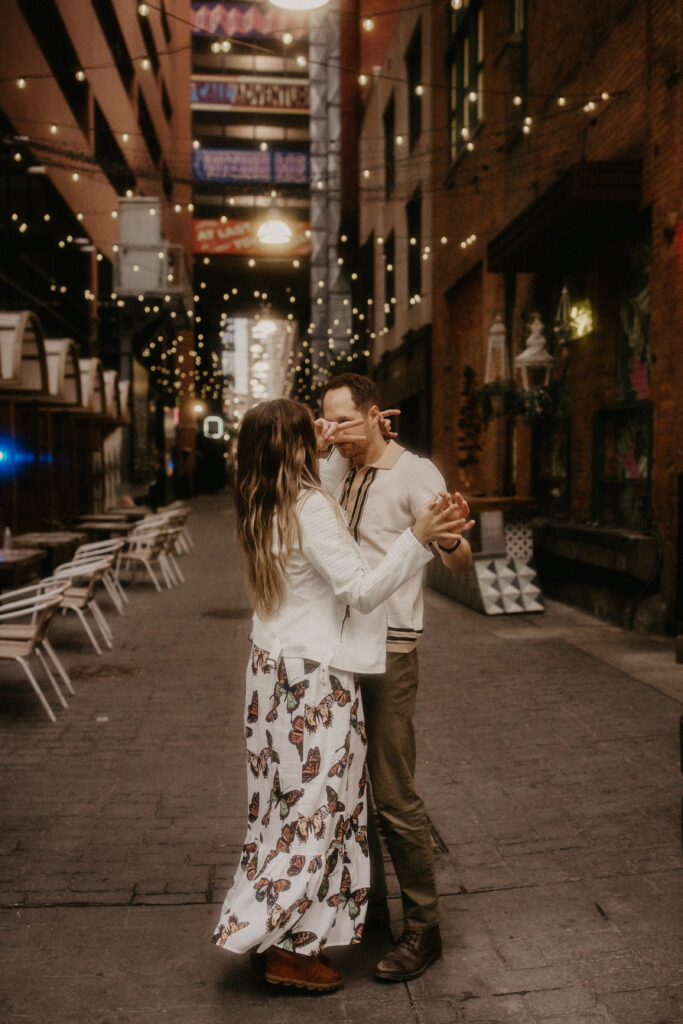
(443,520)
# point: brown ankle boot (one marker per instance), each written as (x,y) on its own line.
(309,972)
(411,956)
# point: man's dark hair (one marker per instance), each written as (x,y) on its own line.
(363,389)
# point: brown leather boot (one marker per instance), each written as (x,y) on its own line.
(309,972)
(411,956)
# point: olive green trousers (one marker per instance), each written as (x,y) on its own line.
(389,705)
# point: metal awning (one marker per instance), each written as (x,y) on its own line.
(588,200)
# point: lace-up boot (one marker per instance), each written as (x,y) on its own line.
(411,956)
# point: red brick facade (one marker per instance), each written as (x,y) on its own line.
(583,195)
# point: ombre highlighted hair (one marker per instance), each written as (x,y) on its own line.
(276,459)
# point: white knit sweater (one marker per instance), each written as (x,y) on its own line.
(332,608)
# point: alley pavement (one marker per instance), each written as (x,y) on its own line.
(548,749)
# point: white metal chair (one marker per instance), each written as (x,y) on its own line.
(83,579)
(104,549)
(25,616)
(146,547)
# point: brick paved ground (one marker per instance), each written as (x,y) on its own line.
(549,762)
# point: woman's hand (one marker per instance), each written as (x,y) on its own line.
(442,520)
(385,422)
(328,432)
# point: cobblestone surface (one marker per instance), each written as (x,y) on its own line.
(549,761)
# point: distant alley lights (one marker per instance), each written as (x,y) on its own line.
(299,5)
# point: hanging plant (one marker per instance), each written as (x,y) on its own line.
(537,404)
(497,398)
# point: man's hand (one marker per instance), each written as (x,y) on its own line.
(329,432)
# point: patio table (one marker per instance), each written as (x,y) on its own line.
(17,565)
(59,545)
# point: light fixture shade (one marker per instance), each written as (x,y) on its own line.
(274,231)
(299,5)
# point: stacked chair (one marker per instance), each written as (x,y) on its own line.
(26,614)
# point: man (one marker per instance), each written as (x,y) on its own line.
(380,493)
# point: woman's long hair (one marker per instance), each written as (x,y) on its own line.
(276,459)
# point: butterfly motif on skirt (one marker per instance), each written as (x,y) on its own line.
(259,659)
(252,708)
(315,864)
(359,726)
(269,889)
(296,734)
(296,865)
(283,801)
(357,934)
(311,767)
(341,695)
(259,763)
(340,766)
(254,806)
(332,858)
(351,901)
(283,844)
(291,694)
(314,824)
(320,713)
(295,940)
(353,828)
(249,861)
(279,916)
(223,932)
(334,804)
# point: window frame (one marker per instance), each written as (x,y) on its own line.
(465,61)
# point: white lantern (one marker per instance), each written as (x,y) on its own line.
(497,364)
(535,362)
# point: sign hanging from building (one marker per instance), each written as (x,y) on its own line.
(282,167)
(239,238)
(245,21)
(240,93)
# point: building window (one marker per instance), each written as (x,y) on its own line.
(50,32)
(518,16)
(622,466)
(150,45)
(389,281)
(109,23)
(413,60)
(109,155)
(363,292)
(389,158)
(414,227)
(466,62)
(166,102)
(165,25)
(147,129)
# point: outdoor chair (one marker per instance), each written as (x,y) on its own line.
(144,547)
(25,615)
(83,580)
(104,549)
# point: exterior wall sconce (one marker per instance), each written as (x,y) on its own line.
(497,363)
(535,362)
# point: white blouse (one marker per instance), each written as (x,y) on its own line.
(332,607)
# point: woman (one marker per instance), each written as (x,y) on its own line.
(303,878)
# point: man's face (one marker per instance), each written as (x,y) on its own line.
(339,406)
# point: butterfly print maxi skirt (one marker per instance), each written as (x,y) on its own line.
(304,874)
